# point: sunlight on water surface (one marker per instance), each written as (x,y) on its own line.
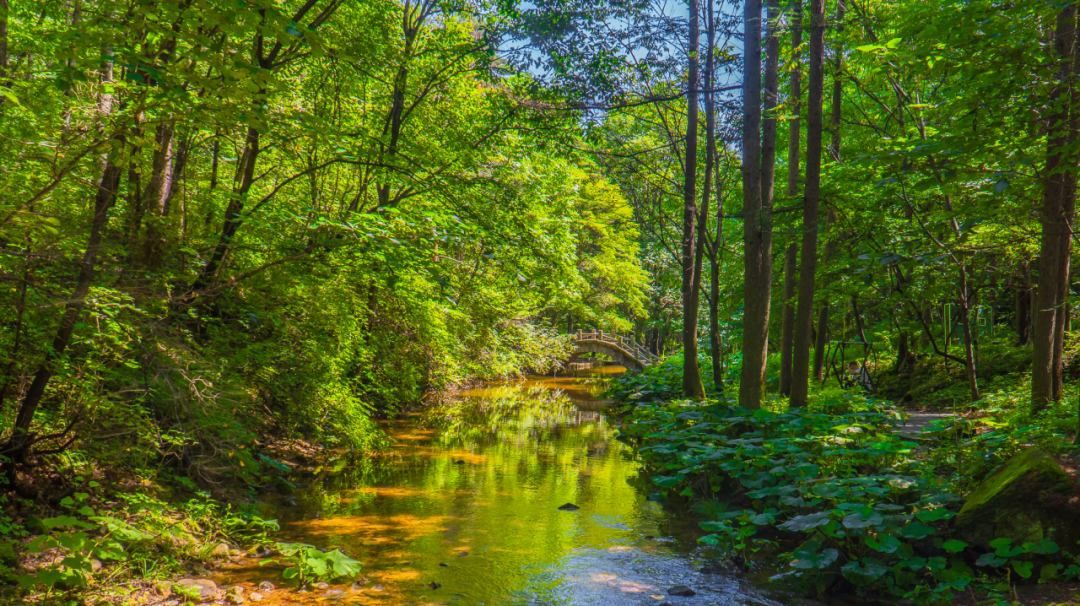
(466,510)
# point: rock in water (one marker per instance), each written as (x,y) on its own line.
(435,585)
(1029,498)
(207,589)
(255,596)
(266,586)
(682,591)
(569,507)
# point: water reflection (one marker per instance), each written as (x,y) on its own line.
(466,510)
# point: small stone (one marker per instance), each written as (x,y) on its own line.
(322,585)
(220,551)
(435,585)
(462,554)
(650,537)
(334,594)
(266,586)
(95,565)
(681,591)
(377,587)
(569,507)
(255,596)
(444,564)
(359,584)
(459,462)
(263,551)
(233,598)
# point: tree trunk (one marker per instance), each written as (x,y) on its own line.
(1059,191)
(787,331)
(800,381)
(21,438)
(1023,303)
(969,352)
(153,196)
(903,353)
(691,383)
(795,96)
(758,171)
(245,177)
(837,91)
(703,216)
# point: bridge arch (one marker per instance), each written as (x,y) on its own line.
(623,350)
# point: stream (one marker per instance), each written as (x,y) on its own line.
(465,511)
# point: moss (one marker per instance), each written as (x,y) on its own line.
(1032,460)
(1029,498)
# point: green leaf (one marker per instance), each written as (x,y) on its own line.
(667,481)
(989,559)
(1023,568)
(916,530)
(954,546)
(810,558)
(807,522)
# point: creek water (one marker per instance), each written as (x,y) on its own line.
(465,511)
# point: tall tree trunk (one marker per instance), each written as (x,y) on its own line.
(965,317)
(800,381)
(691,384)
(21,438)
(821,335)
(791,268)
(245,177)
(838,86)
(153,196)
(1059,191)
(787,331)
(1023,302)
(758,175)
(703,217)
(795,97)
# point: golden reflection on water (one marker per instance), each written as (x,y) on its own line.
(469,501)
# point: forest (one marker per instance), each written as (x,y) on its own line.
(237,234)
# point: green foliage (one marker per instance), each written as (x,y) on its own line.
(853,504)
(308,563)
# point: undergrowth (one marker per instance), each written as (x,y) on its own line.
(834,495)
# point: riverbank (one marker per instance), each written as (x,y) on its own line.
(846,504)
(466,504)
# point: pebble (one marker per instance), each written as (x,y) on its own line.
(682,591)
(444,564)
(377,587)
(569,507)
(266,586)
(334,594)
(459,462)
(435,585)
(255,596)
(462,554)
(322,585)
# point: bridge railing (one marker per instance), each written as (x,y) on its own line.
(627,344)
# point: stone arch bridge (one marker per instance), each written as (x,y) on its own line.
(623,350)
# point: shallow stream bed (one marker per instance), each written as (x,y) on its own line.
(466,511)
